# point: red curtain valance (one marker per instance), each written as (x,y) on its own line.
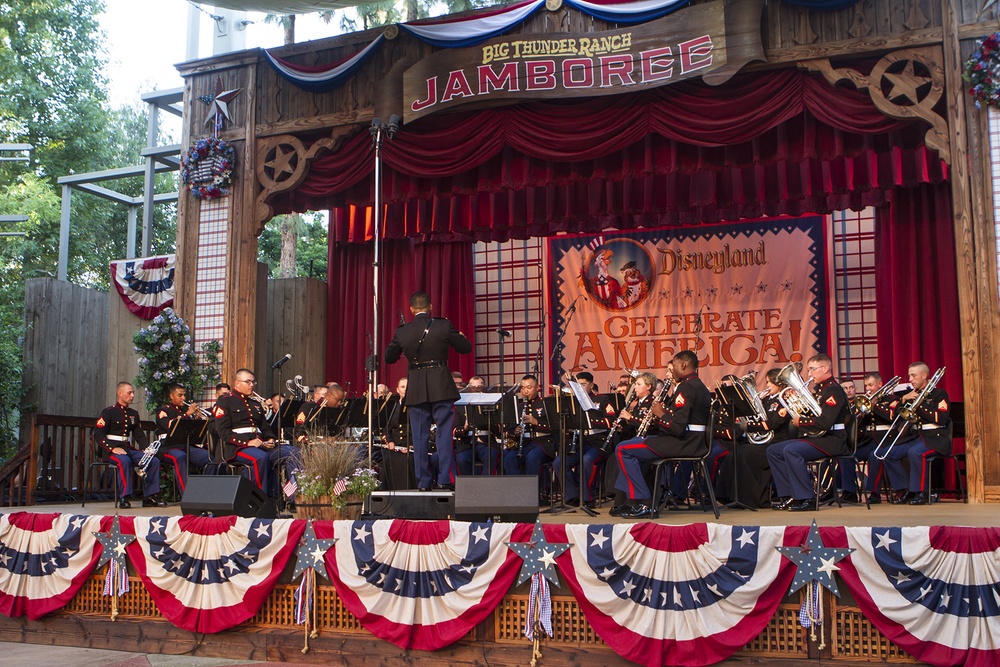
(764,144)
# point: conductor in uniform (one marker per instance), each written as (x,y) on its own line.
(430,391)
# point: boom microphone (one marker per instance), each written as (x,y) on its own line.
(280,362)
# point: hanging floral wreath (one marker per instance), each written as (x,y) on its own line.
(207,168)
(982,71)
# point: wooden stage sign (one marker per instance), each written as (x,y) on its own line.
(713,41)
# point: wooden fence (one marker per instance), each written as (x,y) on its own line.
(55,463)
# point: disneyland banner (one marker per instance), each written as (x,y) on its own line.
(711,40)
(746,297)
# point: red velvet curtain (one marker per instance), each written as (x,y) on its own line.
(443,270)
(915,284)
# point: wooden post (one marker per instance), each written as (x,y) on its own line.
(980,426)
(32,481)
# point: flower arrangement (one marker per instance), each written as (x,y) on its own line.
(166,357)
(331,468)
(982,71)
(207,168)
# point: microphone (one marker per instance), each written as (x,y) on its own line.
(280,362)
(401,320)
(697,325)
(503,333)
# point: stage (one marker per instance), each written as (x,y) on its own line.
(493,635)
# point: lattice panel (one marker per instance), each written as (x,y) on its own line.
(568,622)
(855,637)
(279,610)
(90,600)
(783,636)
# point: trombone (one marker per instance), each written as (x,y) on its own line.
(864,404)
(908,415)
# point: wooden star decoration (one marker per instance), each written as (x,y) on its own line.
(905,84)
(815,562)
(312,553)
(539,555)
(218,107)
(114,543)
(281,163)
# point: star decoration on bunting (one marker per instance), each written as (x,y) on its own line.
(815,562)
(538,555)
(311,553)
(114,543)
(218,106)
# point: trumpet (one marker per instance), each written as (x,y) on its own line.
(203,413)
(264,403)
(148,455)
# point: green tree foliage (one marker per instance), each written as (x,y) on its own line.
(311,249)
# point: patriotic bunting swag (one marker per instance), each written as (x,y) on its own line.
(422,585)
(674,595)
(210,574)
(44,560)
(146,285)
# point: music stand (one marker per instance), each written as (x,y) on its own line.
(184,429)
(286,419)
(479,408)
(741,404)
(564,406)
(586,403)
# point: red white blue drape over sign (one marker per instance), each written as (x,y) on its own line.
(146,284)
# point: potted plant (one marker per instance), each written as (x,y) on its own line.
(335,480)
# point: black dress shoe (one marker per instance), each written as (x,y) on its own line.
(447,487)
(575,502)
(153,501)
(800,505)
(640,511)
(852,498)
(874,498)
(423,488)
(781,504)
(124,504)
(617,510)
(921,499)
(589,504)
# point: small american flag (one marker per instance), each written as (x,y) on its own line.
(339,486)
(596,242)
(290,487)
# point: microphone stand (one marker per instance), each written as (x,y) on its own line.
(503,409)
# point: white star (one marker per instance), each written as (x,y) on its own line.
(901,577)
(317,554)
(548,557)
(715,589)
(481,534)
(627,588)
(262,530)
(746,538)
(365,569)
(924,591)
(678,600)
(222,572)
(157,525)
(828,565)
(381,579)
(599,539)
(76,522)
(120,549)
(996,596)
(467,569)
(157,553)
(663,597)
(696,594)
(646,594)
(231,566)
(945,600)
(399,582)
(361,533)
(884,541)
(607,573)
(434,586)
(447,580)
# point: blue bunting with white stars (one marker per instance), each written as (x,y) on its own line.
(312,553)
(815,562)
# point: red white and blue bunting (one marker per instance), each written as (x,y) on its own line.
(324,78)
(657,594)
(146,284)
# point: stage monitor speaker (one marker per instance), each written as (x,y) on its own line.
(511,498)
(414,504)
(225,495)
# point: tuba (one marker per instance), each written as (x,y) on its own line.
(747,386)
(796,397)
(864,404)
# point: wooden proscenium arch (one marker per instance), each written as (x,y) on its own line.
(921,45)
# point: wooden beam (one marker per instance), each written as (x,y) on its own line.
(965,249)
(321,122)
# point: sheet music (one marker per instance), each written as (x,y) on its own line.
(479,399)
(582,396)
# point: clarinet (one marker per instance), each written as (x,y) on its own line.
(523,427)
(148,455)
(647,419)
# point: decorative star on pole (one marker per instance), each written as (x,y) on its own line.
(218,106)
(539,555)
(114,543)
(815,562)
(311,553)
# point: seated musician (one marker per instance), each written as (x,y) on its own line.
(533,443)
(927,436)
(681,425)
(397,470)
(246,435)
(817,437)
(471,435)
(871,426)
(116,427)
(595,431)
(305,418)
(754,472)
(166,418)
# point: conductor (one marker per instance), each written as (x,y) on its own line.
(430,391)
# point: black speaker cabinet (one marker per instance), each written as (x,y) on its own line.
(225,495)
(414,504)
(511,498)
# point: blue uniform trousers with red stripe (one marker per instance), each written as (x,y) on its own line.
(176,456)
(126,462)
(789,470)
(915,452)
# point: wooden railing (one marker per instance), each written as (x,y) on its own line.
(55,464)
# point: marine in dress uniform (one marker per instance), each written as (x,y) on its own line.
(682,422)
(818,437)
(116,427)
(304,417)
(871,427)
(245,434)
(535,445)
(431,392)
(472,440)
(595,431)
(166,418)
(929,436)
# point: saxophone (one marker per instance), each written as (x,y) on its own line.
(647,419)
